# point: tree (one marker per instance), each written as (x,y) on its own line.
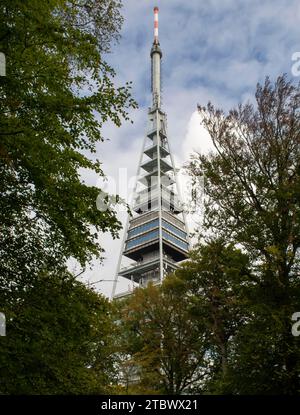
(213,281)
(252,199)
(57,93)
(162,341)
(60,338)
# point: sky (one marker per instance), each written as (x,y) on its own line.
(213,50)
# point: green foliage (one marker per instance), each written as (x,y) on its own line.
(57,93)
(214,280)
(161,343)
(252,199)
(59,340)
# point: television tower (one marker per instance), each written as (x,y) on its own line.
(156,237)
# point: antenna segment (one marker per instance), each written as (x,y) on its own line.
(155,25)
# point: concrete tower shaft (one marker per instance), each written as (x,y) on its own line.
(156,55)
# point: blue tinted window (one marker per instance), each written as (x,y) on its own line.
(175,240)
(143,228)
(173,229)
(142,239)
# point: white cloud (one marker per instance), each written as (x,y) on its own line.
(197,138)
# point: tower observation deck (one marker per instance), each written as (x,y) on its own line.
(156,237)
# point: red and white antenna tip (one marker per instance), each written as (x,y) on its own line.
(155,24)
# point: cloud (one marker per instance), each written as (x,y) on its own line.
(197,138)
